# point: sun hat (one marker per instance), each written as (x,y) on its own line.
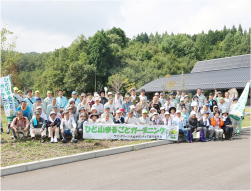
(15,88)
(166,113)
(39,107)
(52,112)
(95,114)
(178,111)
(109,93)
(193,113)
(144,111)
(155,113)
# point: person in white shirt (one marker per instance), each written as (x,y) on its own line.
(201,97)
(118,100)
(107,110)
(68,127)
(228,100)
(43,115)
(99,107)
(167,120)
(130,119)
(135,114)
(106,119)
(236,124)
(142,94)
(221,105)
(111,105)
(85,105)
(168,104)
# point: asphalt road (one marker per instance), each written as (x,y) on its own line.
(186,166)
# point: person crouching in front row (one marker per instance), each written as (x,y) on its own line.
(82,119)
(37,126)
(179,121)
(20,126)
(53,124)
(68,127)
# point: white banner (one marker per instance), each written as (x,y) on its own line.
(131,132)
(237,111)
(7,97)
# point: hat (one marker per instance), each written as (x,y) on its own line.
(202,91)
(83,94)
(127,96)
(142,90)
(219,92)
(171,109)
(15,88)
(206,112)
(95,114)
(36,91)
(215,106)
(130,111)
(133,90)
(142,98)
(81,108)
(206,104)
(37,112)
(121,109)
(224,111)
(155,113)
(52,112)
(235,99)
(166,113)
(171,94)
(83,114)
(211,94)
(117,93)
(74,92)
(118,111)
(39,99)
(66,111)
(93,109)
(144,111)
(168,98)
(97,98)
(152,109)
(161,93)
(162,108)
(49,92)
(194,104)
(178,111)
(186,96)
(193,113)
(39,107)
(182,99)
(109,93)
(132,107)
(195,96)
(221,98)
(69,107)
(107,107)
(19,91)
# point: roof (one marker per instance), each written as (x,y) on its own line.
(242,61)
(221,79)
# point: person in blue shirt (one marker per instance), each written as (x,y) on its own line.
(25,109)
(126,104)
(61,101)
(178,121)
(185,116)
(30,100)
(74,98)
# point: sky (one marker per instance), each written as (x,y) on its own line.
(44,26)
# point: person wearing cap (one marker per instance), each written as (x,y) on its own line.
(200,96)
(142,105)
(131,119)
(126,104)
(168,104)
(172,100)
(107,110)
(205,108)
(185,116)
(202,92)
(25,109)
(162,99)
(118,119)
(217,95)
(196,102)
(68,127)
(142,95)
(42,114)
(187,103)
(90,100)
(109,95)
(144,120)
(111,105)
(99,107)
(205,122)
(156,120)
(74,98)
(221,105)
(217,123)
(94,118)
(236,124)
(103,100)
(196,110)
(211,99)
(152,111)
(71,111)
(53,125)
(30,100)
(83,118)
(182,96)
(167,120)
(162,113)
(133,108)
(107,119)
(47,100)
(49,107)
(118,100)
(181,104)
(122,112)
(37,126)
(17,98)
(36,104)
(82,96)
(84,105)
(227,127)
(20,94)
(81,111)
(20,126)
(37,94)
(178,121)
(61,101)
(155,104)
(134,98)
(58,115)
(215,109)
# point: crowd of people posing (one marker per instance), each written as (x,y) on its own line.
(59,117)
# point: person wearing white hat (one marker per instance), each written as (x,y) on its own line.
(106,119)
(167,120)
(162,113)
(135,114)
(53,125)
(130,119)
(111,105)
(118,119)
(37,126)
(99,107)
(156,120)
(152,110)
(178,121)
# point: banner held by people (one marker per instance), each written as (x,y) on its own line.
(7,97)
(131,132)
(238,111)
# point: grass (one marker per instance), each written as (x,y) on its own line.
(23,151)
(247,109)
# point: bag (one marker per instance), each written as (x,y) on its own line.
(196,135)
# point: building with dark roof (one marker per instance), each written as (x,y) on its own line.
(222,73)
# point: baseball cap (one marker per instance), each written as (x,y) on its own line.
(202,91)
(81,108)
(144,111)
(130,111)
(206,112)
(19,91)
(171,94)
(53,112)
(224,111)
(219,92)
(109,93)
(39,107)
(182,99)
(110,98)
(155,113)
(117,93)
(66,111)
(161,93)
(206,104)
(193,113)
(162,108)
(118,111)
(152,109)
(37,91)
(39,99)
(74,92)
(221,98)
(186,96)
(15,88)
(107,108)
(215,106)
(167,113)
(37,112)
(178,111)
(156,93)
(127,96)
(93,108)
(49,92)
(211,94)
(235,99)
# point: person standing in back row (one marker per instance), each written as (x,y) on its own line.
(61,101)
(134,98)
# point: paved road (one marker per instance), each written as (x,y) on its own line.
(213,165)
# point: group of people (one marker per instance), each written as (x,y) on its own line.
(58,117)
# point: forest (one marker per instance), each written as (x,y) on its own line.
(119,62)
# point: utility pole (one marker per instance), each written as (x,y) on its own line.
(95,79)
